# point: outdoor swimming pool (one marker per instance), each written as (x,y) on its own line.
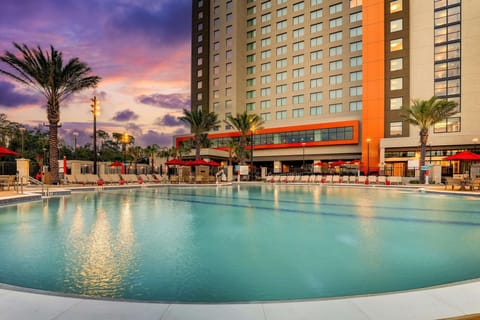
(239,243)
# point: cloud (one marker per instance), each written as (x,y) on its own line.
(169,121)
(176,101)
(125,115)
(11,98)
(154,137)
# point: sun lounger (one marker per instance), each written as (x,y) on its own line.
(382,180)
(329,179)
(362,179)
(372,179)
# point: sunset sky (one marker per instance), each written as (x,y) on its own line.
(140,49)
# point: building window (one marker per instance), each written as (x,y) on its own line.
(335,65)
(316,96)
(337,22)
(396,44)
(396,128)
(396,103)
(356,46)
(355,3)
(266,54)
(266,17)
(266,79)
(282,88)
(250,82)
(335,79)
(396,25)
(317,41)
(396,6)
(449,125)
(355,32)
(282,37)
(317,14)
(298,32)
(356,17)
(336,8)
(298,6)
(281,76)
(315,2)
(317,27)
(316,110)
(281,25)
(356,61)
(281,12)
(297,46)
(266,42)
(298,19)
(298,59)
(251,10)
(266,5)
(250,106)
(355,91)
(282,63)
(251,46)
(251,94)
(316,68)
(316,55)
(316,83)
(264,92)
(265,116)
(250,58)
(297,113)
(356,76)
(250,70)
(335,108)
(266,29)
(335,51)
(298,99)
(447,87)
(216,94)
(336,36)
(297,86)
(264,104)
(250,22)
(396,84)
(280,115)
(251,34)
(396,64)
(336,94)
(281,102)
(281,50)
(355,106)
(300,72)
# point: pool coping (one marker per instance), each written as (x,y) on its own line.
(440,302)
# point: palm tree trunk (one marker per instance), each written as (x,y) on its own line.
(197,146)
(423,151)
(53,140)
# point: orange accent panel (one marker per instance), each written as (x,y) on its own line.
(373,118)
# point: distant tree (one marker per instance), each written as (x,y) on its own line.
(46,73)
(152,151)
(424,114)
(200,122)
(245,123)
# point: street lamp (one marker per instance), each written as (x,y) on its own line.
(124,145)
(368,156)
(252,132)
(75,135)
(303,156)
(22,132)
(95,112)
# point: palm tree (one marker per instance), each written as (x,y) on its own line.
(245,123)
(46,73)
(200,122)
(152,151)
(424,114)
(232,146)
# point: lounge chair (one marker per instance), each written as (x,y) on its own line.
(362,179)
(382,180)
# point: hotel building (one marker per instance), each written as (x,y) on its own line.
(329,77)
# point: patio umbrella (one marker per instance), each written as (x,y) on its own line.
(318,164)
(464,155)
(7,152)
(118,164)
(175,162)
(213,163)
(337,163)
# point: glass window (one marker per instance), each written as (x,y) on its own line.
(250,106)
(316,68)
(396,64)
(336,36)
(281,102)
(317,41)
(316,14)
(335,51)
(298,19)
(283,88)
(282,37)
(297,113)
(356,46)
(265,116)
(356,76)
(250,22)
(251,82)
(335,107)
(282,63)
(396,44)
(396,128)
(396,103)
(396,6)
(281,25)
(355,3)
(355,61)
(300,72)
(337,22)
(396,25)
(298,99)
(281,12)
(316,110)
(317,27)
(298,59)
(396,84)
(355,91)
(335,79)
(298,32)
(266,5)
(298,6)
(251,94)
(266,29)
(265,66)
(299,85)
(449,125)
(280,115)
(281,76)
(265,92)
(355,32)
(316,83)
(355,105)
(265,104)
(281,50)
(251,46)
(336,94)
(266,17)
(335,65)
(315,2)
(250,57)
(252,10)
(266,79)
(316,96)
(300,45)
(316,55)
(251,34)
(336,8)
(356,17)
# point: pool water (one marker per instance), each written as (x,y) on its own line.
(239,243)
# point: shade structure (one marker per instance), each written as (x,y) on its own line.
(7,152)
(175,162)
(464,155)
(116,164)
(318,164)
(337,163)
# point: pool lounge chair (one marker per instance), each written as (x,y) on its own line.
(362,179)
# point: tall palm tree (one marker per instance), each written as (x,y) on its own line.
(245,123)
(200,122)
(424,114)
(47,73)
(152,150)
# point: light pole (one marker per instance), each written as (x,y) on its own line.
(303,156)
(75,135)
(252,132)
(124,144)
(95,112)
(368,156)
(22,132)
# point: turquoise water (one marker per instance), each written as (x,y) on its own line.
(240,243)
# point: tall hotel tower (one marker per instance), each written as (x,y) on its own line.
(329,77)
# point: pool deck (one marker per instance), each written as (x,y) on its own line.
(458,301)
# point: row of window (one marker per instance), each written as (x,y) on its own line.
(313,111)
(355,91)
(319,135)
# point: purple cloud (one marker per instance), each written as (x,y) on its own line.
(11,98)
(176,101)
(154,137)
(125,115)
(169,121)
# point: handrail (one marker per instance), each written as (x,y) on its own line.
(34,181)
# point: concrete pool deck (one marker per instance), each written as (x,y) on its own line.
(459,301)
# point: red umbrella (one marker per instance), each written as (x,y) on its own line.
(318,164)
(116,164)
(175,162)
(337,163)
(464,155)
(214,163)
(7,152)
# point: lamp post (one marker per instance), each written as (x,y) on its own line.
(22,133)
(368,156)
(95,111)
(303,156)
(252,132)
(124,145)
(75,135)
